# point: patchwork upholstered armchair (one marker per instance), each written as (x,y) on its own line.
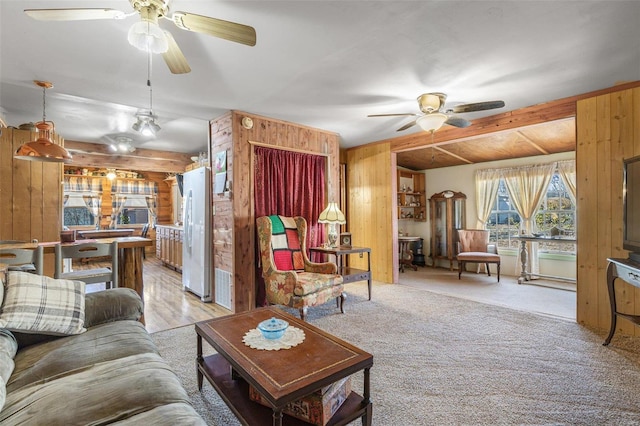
(290,278)
(474,247)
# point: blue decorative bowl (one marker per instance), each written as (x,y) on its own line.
(273,328)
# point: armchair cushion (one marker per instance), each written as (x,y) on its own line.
(310,282)
(285,243)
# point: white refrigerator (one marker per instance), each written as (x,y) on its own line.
(196,244)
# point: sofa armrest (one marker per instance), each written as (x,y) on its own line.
(112,305)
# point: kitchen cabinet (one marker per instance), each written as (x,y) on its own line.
(169,240)
(411,197)
(447,213)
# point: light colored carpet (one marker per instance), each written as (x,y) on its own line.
(440,360)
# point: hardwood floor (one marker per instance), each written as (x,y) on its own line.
(166,305)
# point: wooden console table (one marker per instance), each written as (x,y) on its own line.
(349,274)
(524,256)
(628,271)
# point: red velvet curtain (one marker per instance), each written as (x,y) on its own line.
(289,183)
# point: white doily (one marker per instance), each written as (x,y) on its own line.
(293,336)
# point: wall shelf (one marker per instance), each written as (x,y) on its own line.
(412,203)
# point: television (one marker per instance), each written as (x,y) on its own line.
(631,208)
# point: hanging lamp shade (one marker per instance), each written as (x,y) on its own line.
(43,148)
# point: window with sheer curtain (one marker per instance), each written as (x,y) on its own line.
(555,211)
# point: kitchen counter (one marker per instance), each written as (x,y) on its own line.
(169,245)
(170,226)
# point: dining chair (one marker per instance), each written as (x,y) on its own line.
(23,259)
(143,234)
(107,275)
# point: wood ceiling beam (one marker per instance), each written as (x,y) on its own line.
(560,109)
(532,143)
(87,154)
(453,155)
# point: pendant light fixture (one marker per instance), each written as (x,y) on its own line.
(43,148)
(145,120)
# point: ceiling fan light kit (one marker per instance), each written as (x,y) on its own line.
(431,122)
(148,37)
(43,148)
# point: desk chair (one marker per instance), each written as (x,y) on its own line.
(25,260)
(109,276)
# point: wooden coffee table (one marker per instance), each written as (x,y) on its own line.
(280,376)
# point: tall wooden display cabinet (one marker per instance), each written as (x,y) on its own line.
(447,213)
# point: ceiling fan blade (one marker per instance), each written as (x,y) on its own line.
(392,115)
(231,31)
(77,14)
(458,122)
(406,126)
(174,58)
(479,106)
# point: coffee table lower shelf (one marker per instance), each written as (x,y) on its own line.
(235,393)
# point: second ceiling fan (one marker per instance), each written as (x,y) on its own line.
(147,34)
(435,115)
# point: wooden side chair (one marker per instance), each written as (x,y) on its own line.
(474,247)
(107,275)
(25,260)
(143,233)
(290,278)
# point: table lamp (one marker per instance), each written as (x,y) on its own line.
(332,216)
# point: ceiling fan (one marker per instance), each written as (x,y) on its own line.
(147,34)
(434,114)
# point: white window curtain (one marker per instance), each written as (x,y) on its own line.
(487,182)
(567,171)
(527,186)
(117,204)
(94,204)
(153,209)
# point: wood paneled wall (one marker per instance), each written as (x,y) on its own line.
(234,219)
(608,131)
(30,192)
(372,201)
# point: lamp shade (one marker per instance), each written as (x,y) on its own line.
(43,148)
(148,37)
(332,214)
(432,122)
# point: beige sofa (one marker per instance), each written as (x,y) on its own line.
(110,373)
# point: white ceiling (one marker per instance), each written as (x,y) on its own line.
(325,64)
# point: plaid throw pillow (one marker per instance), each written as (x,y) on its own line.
(286,244)
(42,305)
